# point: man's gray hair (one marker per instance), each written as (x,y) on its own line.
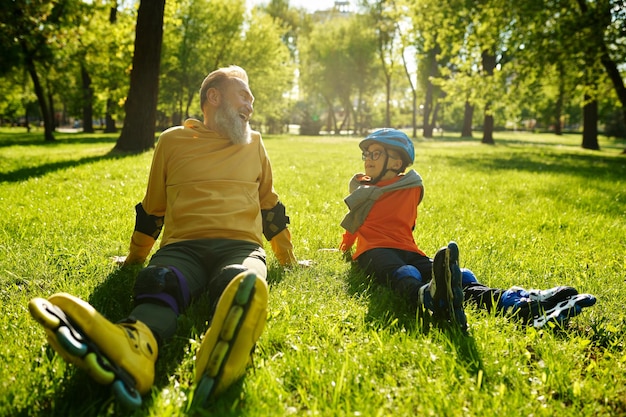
(216,78)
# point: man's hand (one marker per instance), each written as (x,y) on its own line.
(127,260)
(119,260)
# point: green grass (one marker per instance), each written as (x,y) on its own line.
(534,210)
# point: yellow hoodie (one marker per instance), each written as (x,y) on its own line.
(208,188)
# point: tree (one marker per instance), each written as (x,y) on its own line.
(603,18)
(339,63)
(201,36)
(25,39)
(102,53)
(271,68)
(382,13)
(139,124)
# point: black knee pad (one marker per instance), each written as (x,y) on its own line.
(221,281)
(164,284)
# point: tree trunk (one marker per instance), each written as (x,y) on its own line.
(488,129)
(139,124)
(109,120)
(388,100)
(590,124)
(618,83)
(489,64)
(612,70)
(427,130)
(558,110)
(413,96)
(345,123)
(26,122)
(87,100)
(48,125)
(331,122)
(52,122)
(108,117)
(433,120)
(468,117)
(430,98)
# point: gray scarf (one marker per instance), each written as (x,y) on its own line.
(363,197)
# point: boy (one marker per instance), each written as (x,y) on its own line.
(383,206)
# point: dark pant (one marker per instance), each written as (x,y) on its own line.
(207,265)
(382,264)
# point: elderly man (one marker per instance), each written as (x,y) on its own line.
(210,191)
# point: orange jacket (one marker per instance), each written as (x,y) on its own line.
(389,224)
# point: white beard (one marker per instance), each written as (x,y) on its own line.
(228,121)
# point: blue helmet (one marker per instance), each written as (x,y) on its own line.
(394,139)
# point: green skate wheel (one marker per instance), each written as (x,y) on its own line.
(129,398)
(230,324)
(96,371)
(245,289)
(43,311)
(217,357)
(203,392)
(70,343)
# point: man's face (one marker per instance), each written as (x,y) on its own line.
(233,115)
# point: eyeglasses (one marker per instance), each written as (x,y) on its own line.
(372,155)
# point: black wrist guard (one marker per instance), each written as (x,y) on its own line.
(147,223)
(274,220)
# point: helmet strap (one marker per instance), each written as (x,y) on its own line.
(384,170)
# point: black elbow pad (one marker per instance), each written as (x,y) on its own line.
(147,223)
(275,220)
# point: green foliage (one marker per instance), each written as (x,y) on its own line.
(535,210)
(201,36)
(340,68)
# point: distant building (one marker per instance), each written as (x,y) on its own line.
(342,8)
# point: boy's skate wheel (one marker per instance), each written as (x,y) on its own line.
(230,324)
(245,289)
(216,359)
(129,398)
(203,391)
(42,311)
(70,343)
(97,372)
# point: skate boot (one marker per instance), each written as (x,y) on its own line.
(121,355)
(563,310)
(227,345)
(443,295)
(539,307)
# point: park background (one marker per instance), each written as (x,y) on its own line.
(536,199)
(430,66)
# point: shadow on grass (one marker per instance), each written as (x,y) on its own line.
(540,160)
(602,173)
(79,395)
(386,309)
(23,174)
(36,139)
(572,140)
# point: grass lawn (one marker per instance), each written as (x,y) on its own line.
(534,210)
